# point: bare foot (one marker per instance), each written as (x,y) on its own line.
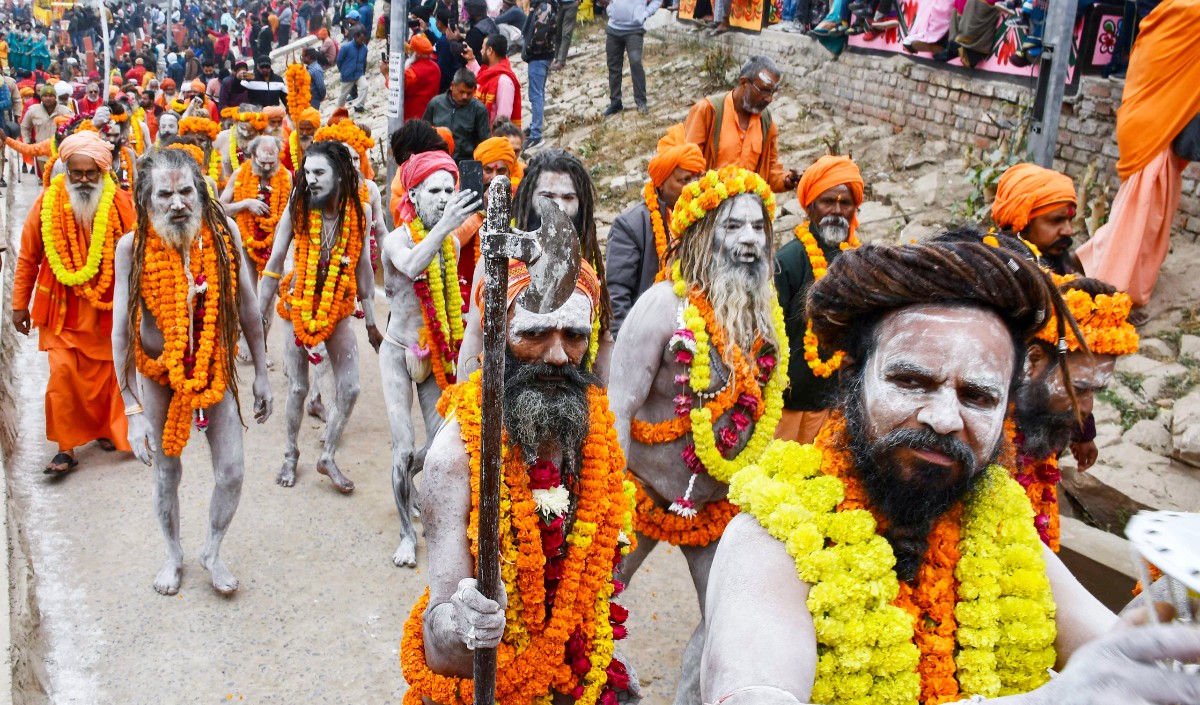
(406,555)
(287,474)
(329,469)
(316,408)
(222,580)
(167,580)
(243,355)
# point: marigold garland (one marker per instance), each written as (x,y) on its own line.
(1103,321)
(125,170)
(139,142)
(560,622)
(258,231)
(299,94)
(200,125)
(294,146)
(710,190)
(196,152)
(315,315)
(441,307)
(215,168)
(816,258)
(1039,477)
(192,362)
(661,243)
(349,134)
(89,273)
(659,524)
(981,614)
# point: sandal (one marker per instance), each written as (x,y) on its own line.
(106,445)
(61,464)
(836,29)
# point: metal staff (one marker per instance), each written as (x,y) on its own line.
(551,254)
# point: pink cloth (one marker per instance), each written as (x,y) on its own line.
(1130,248)
(932,22)
(506,94)
(416,169)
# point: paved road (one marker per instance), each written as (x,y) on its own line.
(319,614)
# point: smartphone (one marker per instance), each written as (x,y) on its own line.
(470,176)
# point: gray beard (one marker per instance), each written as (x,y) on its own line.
(741,297)
(177,236)
(833,230)
(84,203)
(429,215)
(538,413)
(263,174)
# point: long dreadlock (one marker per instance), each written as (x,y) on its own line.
(558,161)
(415,137)
(228,317)
(346,177)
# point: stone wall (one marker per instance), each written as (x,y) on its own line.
(947,104)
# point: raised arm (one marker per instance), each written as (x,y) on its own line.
(412,261)
(637,355)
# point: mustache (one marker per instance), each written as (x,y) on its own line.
(927,439)
(532,374)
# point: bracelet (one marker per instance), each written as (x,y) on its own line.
(273,275)
(134,409)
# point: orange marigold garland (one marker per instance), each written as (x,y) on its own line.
(657,523)
(325,287)
(661,242)
(1039,477)
(201,125)
(812,354)
(186,307)
(258,231)
(1103,320)
(299,95)
(560,622)
(350,134)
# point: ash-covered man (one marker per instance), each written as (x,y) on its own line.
(891,561)
(420,275)
(185,250)
(327,282)
(168,126)
(232,141)
(256,197)
(830,192)
(565,527)
(698,375)
(112,121)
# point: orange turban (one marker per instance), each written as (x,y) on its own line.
(685,156)
(448,136)
(197,85)
(420,45)
(338,115)
(274,111)
(88,144)
(323,33)
(518,280)
(498,149)
(1026,191)
(310,115)
(829,172)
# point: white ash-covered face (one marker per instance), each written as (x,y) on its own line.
(942,368)
(245,132)
(318,175)
(111,132)
(175,207)
(431,196)
(168,125)
(558,187)
(559,337)
(266,158)
(740,235)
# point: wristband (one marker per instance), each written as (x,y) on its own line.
(273,275)
(133,409)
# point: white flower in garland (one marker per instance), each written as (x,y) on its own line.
(553,502)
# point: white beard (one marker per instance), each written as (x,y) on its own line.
(263,174)
(177,236)
(429,213)
(84,201)
(833,230)
(741,296)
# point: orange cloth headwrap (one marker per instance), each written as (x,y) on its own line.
(274,111)
(88,144)
(682,156)
(518,280)
(416,169)
(448,136)
(499,149)
(310,115)
(323,33)
(1026,191)
(828,172)
(420,45)
(338,115)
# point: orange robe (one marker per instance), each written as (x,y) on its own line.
(83,402)
(745,148)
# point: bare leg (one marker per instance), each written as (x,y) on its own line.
(343,357)
(314,404)
(225,440)
(428,393)
(633,561)
(699,564)
(398,399)
(295,366)
(167,472)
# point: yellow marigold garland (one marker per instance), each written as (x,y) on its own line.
(192,363)
(90,274)
(1103,320)
(812,354)
(215,168)
(441,307)
(258,231)
(531,658)
(1004,609)
(315,315)
(299,95)
(710,190)
(294,146)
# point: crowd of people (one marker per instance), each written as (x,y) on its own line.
(854,446)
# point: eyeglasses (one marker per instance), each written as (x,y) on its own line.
(89,175)
(764,91)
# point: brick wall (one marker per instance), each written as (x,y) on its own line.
(950,104)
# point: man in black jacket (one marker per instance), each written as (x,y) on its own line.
(642,230)
(459,110)
(481,25)
(266,87)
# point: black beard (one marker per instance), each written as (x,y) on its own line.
(913,505)
(539,411)
(1045,432)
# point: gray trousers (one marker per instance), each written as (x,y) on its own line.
(564,28)
(616,45)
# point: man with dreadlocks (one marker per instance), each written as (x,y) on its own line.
(181,298)
(81,211)
(112,121)
(698,394)
(563,530)
(892,561)
(329,225)
(559,176)
(425,326)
